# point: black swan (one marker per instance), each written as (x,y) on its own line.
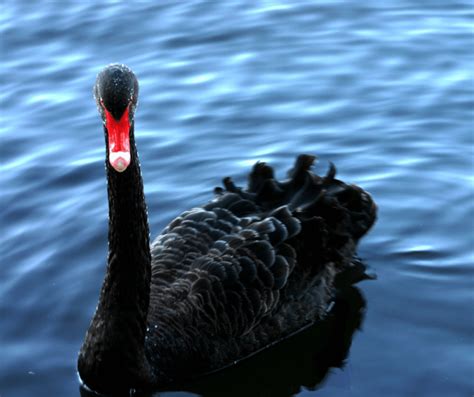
(221,282)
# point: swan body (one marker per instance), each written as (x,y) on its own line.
(222,281)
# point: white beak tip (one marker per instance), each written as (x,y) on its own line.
(119,160)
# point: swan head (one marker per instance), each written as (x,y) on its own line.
(116,95)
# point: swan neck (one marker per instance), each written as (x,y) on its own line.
(129,260)
(113,353)
(128,219)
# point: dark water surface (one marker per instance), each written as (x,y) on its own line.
(384,89)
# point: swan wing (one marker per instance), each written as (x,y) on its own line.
(231,263)
(230,268)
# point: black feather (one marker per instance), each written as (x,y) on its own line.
(221,282)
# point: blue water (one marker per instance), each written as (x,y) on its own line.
(384,89)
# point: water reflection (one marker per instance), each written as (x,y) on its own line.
(281,371)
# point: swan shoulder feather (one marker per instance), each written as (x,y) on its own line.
(229,268)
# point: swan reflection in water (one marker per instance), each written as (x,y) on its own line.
(303,360)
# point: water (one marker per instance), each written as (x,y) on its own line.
(383,89)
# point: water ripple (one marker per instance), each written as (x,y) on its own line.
(382,89)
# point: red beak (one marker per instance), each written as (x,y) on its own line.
(119,140)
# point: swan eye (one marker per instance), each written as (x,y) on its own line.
(131,108)
(101,108)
